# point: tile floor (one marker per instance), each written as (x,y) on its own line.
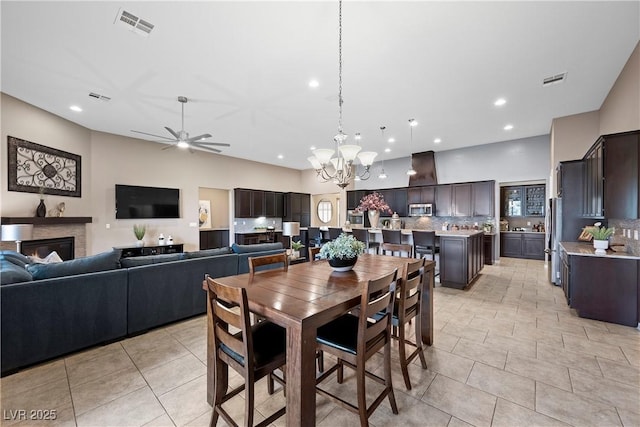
(507,352)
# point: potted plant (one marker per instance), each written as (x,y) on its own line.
(139,231)
(374,203)
(600,237)
(342,252)
(295,247)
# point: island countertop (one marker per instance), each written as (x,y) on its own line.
(586,249)
(455,233)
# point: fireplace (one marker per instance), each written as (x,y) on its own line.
(64,246)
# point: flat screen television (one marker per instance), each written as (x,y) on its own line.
(135,202)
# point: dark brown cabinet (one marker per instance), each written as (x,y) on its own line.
(483,198)
(414,195)
(443,200)
(621,189)
(151,250)
(593,181)
(211,239)
(242,199)
(421,194)
(297,208)
(354,197)
(522,245)
(461,259)
(488,248)
(527,200)
(461,196)
(273,204)
(257,203)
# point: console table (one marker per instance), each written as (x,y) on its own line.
(150,250)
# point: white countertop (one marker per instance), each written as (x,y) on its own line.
(586,249)
(258,231)
(408,232)
(525,232)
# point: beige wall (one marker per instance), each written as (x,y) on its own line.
(337,200)
(219,205)
(571,136)
(620,110)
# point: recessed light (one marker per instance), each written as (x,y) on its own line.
(500,102)
(437,141)
(412,122)
(358,137)
(75,108)
(313,147)
(392,140)
(314,83)
(387,150)
(280,156)
(508,127)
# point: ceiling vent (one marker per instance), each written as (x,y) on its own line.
(552,80)
(100,97)
(134,23)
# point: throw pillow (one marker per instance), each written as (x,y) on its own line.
(208,252)
(15,257)
(12,273)
(137,261)
(91,264)
(49,259)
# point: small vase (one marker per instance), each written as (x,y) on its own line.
(601,246)
(342,264)
(140,243)
(41,210)
(374,217)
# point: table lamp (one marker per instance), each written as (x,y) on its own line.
(17,233)
(290,229)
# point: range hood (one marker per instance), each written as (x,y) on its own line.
(425,166)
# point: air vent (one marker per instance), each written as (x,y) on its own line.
(552,80)
(100,97)
(134,23)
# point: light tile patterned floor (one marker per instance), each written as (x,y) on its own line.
(507,352)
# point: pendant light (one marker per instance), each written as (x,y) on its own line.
(382,175)
(412,124)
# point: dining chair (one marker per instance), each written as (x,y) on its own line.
(313,252)
(314,236)
(408,306)
(424,243)
(355,339)
(334,232)
(254,352)
(362,234)
(392,242)
(268,262)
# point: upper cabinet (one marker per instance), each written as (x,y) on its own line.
(461,197)
(297,208)
(443,196)
(257,203)
(593,181)
(527,200)
(483,193)
(621,192)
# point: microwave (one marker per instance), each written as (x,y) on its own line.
(355,218)
(421,209)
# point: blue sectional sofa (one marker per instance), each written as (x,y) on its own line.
(54,309)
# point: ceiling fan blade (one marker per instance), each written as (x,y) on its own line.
(197,138)
(172,132)
(219,144)
(168,147)
(150,134)
(214,150)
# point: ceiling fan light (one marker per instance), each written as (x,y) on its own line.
(349,152)
(183,144)
(366,157)
(323,155)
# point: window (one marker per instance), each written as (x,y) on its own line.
(325,211)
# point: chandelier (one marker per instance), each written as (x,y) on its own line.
(341,169)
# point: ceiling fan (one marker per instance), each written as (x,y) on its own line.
(181,138)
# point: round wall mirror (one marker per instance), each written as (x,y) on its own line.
(325,211)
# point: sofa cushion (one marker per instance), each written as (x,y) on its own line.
(150,259)
(13,273)
(208,252)
(91,264)
(243,249)
(15,257)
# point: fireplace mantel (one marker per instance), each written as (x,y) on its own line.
(46,220)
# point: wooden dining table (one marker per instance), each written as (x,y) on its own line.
(303,298)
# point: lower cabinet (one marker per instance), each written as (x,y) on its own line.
(461,259)
(522,245)
(602,288)
(211,239)
(488,248)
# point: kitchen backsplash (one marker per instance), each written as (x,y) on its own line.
(633,246)
(436,223)
(243,225)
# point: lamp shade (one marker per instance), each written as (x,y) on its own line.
(290,229)
(17,232)
(367,157)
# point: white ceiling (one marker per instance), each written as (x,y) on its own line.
(245,67)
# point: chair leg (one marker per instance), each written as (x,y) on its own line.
(419,345)
(340,371)
(320,357)
(362,395)
(249,403)
(387,377)
(219,391)
(403,357)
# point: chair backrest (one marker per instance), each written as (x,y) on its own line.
(313,234)
(424,239)
(410,286)
(230,308)
(268,260)
(313,252)
(374,330)
(361,234)
(334,232)
(391,236)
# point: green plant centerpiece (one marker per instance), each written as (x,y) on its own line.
(139,230)
(342,252)
(600,237)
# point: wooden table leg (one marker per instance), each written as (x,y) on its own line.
(210,356)
(426,315)
(301,376)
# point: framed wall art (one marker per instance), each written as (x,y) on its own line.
(34,168)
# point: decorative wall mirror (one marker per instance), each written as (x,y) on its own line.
(325,211)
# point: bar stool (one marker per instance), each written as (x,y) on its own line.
(392,241)
(424,243)
(334,232)
(362,235)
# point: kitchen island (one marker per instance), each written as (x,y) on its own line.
(461,255)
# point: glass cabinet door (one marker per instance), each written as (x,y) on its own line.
(513,204)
